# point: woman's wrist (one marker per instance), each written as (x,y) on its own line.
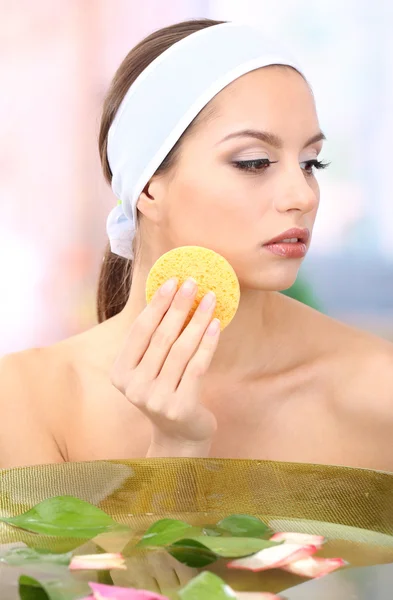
(171,448)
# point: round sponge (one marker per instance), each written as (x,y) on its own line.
(211,271)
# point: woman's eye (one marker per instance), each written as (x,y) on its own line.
(256,164)
(314,164)
(261,164)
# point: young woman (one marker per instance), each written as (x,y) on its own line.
(217,144)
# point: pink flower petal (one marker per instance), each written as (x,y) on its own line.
(299,538)
(314,566)
(112,592)
(273,558)
(97,562)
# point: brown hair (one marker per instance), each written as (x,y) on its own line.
(114,280)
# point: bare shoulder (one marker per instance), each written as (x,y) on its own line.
(43,389)
(31,363)
(366,375)
(33,384)
(361,358)
(361,376)
(325,332)
(359,364)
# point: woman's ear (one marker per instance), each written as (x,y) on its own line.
(151,199)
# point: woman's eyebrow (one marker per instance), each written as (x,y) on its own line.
(270,138)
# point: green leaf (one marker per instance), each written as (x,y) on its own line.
(65,516)
(211,530)
(207,586)
(204,550)
(166,531)
(192,553)
(22,556)
(30,589)
(231,547)
(66,588)
(244,526)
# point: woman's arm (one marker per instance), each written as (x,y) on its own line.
(161,366)
(25,432)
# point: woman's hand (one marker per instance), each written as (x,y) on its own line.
(161,367)
(154,571)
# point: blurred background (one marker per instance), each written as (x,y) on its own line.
(57,58)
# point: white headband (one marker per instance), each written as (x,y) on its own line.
(164,100)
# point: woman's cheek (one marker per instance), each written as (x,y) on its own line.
(203,206)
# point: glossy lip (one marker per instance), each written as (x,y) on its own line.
(303,236)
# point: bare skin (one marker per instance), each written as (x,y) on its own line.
(283,382)
(330,403)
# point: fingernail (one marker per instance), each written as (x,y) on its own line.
(188,287)
(213,327)
(168,287)
(207,301)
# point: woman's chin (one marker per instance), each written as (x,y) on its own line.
(271,279)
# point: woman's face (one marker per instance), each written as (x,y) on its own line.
(212,200)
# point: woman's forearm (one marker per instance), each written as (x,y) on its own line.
(175,448)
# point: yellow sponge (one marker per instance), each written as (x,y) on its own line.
(211,271)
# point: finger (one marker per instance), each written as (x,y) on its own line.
(168,331)
(187,344)
(184,573)
(179,573)
(138,574)
(141,331)
(200,362)
(163,572)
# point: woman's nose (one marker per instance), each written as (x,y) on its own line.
(297,194)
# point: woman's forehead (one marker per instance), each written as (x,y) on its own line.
(264,87)
(269,98)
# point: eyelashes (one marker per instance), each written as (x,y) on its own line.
(262,164)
